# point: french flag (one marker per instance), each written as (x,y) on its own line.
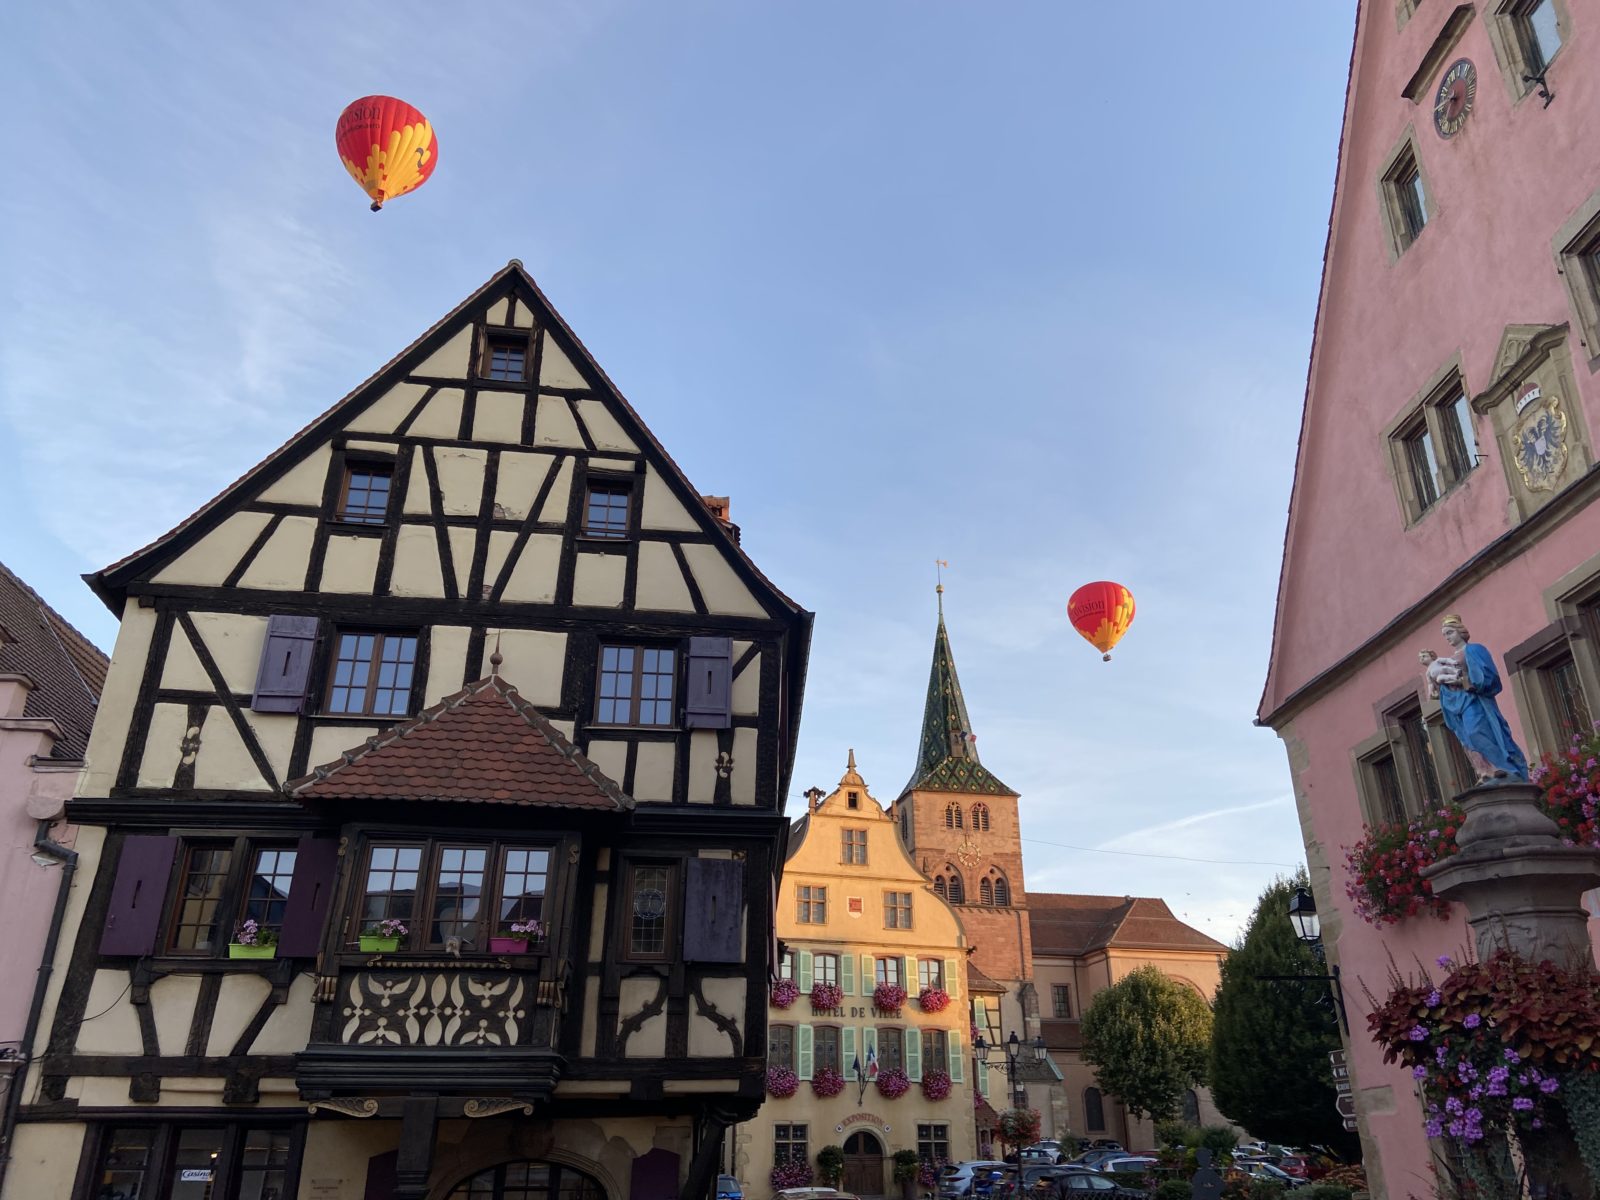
(872,1063)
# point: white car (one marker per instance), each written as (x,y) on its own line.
(1133,1162)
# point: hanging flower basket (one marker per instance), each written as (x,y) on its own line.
(252,941)
(1019,1126)
(933,999)
(936,1085)
(784,993)
(893,1083)
(827,1082)
(826,997)
(791,1175)
(782,1082)
(1570,782)
(888,997)
(1385,867)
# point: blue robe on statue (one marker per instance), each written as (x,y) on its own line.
(1474,717)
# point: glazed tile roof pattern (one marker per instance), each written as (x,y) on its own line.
(67,669)
(1068,925)
(947,759)
(483,745)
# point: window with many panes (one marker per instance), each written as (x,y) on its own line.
(789,1144)
(891,1048)
(811,904)
(889,970)
(364,495)
(933,1143)
(780,1046)
(1385,799)
(1436,445)
(636,686)
(1422,465)
(1405,198)
(526,1180)
(853,847)
(194,1161)
(1060,1000)
(1419,758)
(505,357)
(930,973)
(935,1049)
(605,509)
(451,893)
(897,910)
(1563,696)
(222,884)
(371,674)
(650,899)
(825,968)
(825,1048)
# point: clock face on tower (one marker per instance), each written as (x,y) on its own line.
(1452,103)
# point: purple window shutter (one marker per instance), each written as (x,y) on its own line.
(708,696)
(139,894)
(713,918)
(316,863)
(285,664)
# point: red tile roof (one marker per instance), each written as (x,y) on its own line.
(67,669)
(1068,925)
(483,745)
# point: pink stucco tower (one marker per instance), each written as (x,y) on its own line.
(50,681)
(1446,460)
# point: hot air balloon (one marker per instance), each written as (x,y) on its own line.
(1101,612)
(387,146)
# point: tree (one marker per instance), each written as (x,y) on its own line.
(1148,1038)
(1270,1071)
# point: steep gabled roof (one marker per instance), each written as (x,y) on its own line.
(483,745)
(67,670)
(1067,925)
(947,756)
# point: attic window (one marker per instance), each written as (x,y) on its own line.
(852,799)
(364,498)
(506,358)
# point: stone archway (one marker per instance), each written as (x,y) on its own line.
(863,1164)
(528,1179)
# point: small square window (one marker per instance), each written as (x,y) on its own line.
(371,674)
(852,799)
(605,510)
(812,905)
(506,358)
(364,497)
(636,686)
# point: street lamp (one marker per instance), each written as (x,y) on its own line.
(1014,1047)
(1308,929)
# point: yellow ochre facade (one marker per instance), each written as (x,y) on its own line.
(853,909)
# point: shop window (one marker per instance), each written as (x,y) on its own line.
(196,1160)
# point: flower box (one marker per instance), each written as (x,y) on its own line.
(372,943)
(505,945)
(239,950)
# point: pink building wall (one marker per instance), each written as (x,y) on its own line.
(1499,192)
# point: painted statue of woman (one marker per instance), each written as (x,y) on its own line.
(1470,709)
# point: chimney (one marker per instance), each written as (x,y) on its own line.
(720,507)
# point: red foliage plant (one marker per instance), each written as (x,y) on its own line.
(827,1082)
(1570,783)
(933,999)
(1385,866)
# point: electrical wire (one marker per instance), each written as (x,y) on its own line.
(1215,862)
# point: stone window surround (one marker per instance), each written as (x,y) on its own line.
(1564,603)
(1579,232)
(1445,382)
(1398,238)
(1390,739)
(1500,24)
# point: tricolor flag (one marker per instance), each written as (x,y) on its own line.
(872,1063)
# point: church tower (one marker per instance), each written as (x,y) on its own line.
(960,823)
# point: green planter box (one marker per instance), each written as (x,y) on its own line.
(235,950)
(371,944)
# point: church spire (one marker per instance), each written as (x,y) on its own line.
(947,756)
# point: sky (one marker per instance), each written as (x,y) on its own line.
(1026,287)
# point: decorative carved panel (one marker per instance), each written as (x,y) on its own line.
(434,1008)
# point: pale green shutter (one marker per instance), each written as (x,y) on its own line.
(847,974)
(803,1051)
(869,1044)
(957,1059)
(908,978)
(868,974)
(913,1054)
(847,1048)
(951,979)
(804,979)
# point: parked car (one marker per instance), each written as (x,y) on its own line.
(1091,1185)
(729,1188)
(1093,1158)
(1105,1144)
(1129,1162)
(1259,1169)
(814,1193)
(956,1181)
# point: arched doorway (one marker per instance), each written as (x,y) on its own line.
(529,1181)
(863,1164)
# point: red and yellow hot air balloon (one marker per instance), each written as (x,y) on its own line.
(387,146)
(1101,612)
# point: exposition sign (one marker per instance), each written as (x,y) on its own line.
(861,1118)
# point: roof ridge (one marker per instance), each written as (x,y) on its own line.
(56,624)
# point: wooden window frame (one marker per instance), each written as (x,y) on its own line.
(1577,253)
(811,909)
(161,1162)
(786,1141)
(818,1060)
(672,917)
(351,465)
(939,1058)
(879,968)
(634,698)
(381,637)
(1432,414)
(626,485)
(818,974)
(1570,640)
(233,899)
(502,335)
(894,1035)
(1061,1001)
(934,977)
(775,1029)
(894,910)
(1366,762)
(420,923)
(853,850)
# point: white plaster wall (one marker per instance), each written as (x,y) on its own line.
(747,687)
(652,771)
(447,655)
(518,482)
(651,1039)
(497,417)
(534,661)
(599,579)
(163,744)
(553,424)
(288,1029)
(208,561)
(451,360)
(223,762)
(110,730)
(416,563)
(418,503)
(280,565)
(555,504)
(723,591)
(350,564)
(275,734)
(172,1001)
(727,997)
(44,1156)
(702,781)
(661,586)
(533,579)
(463,544)
(237,1002)
(461,479)
(604,428)
(610,756)
(234,642)
(662,509)
(385,413)
(111,1026)
(303,482)
(557,370)
(328,742)
(441,416)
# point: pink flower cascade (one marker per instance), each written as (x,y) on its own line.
(791,1175)
(934,999)
(827,1082)
(936,1085)
(784,993)
(893,1083)
(782,1082)
(826,997)
(890,997)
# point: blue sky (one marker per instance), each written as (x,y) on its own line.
(1024,286)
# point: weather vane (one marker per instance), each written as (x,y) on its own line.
(940,566)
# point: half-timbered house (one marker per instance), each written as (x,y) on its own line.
(467,652)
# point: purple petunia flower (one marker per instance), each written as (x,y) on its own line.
(1455,1128)
(1443,960)
(1419,1072)
(1522,1104)
(1439,1054)
(1419,1034)
(1512,1055)
(1434,999)
(1473,1021)
(1452,1105)
(1548,1085)
(1434,1128)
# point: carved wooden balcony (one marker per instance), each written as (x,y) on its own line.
(396,1022)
